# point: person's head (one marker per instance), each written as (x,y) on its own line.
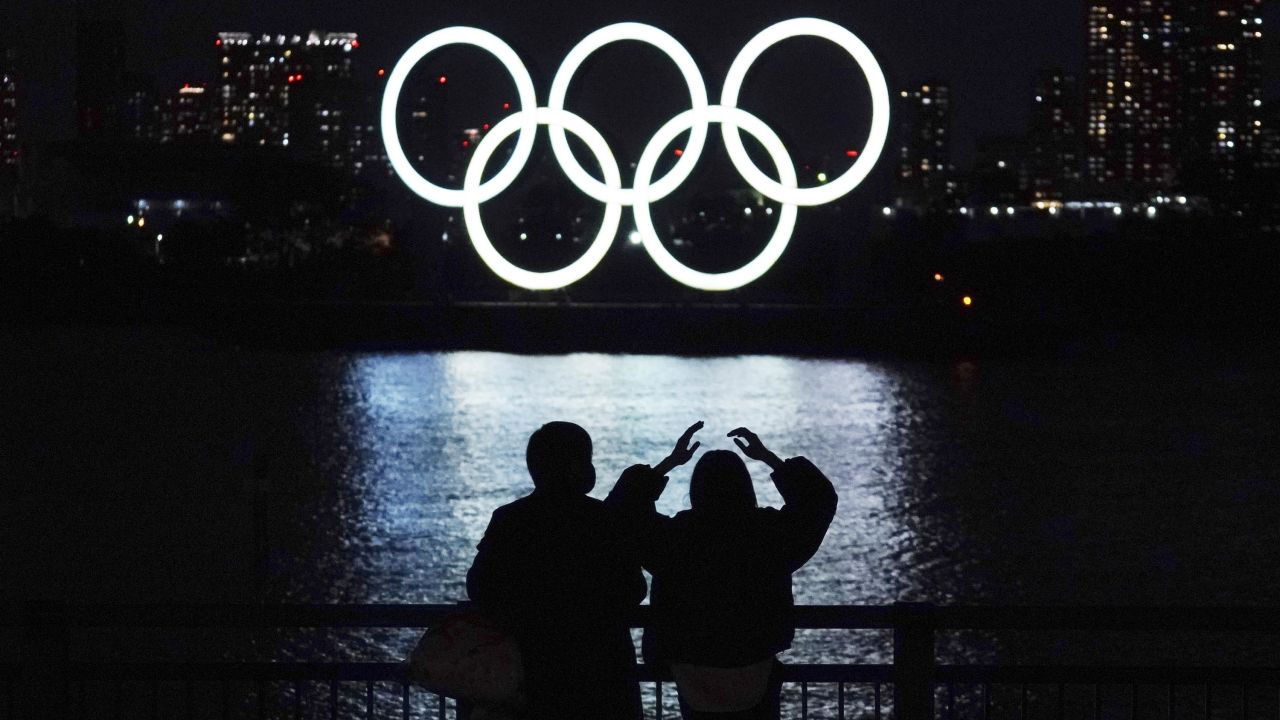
(721,484)
(559,459)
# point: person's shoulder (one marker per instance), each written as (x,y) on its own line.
(514,509)
(764,518)
(798,465)
(596,509)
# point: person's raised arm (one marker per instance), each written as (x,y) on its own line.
(683,451)
(750,445)
(635,494)
(641,484)
(809,498)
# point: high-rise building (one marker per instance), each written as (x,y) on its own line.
(256,74)
(925,177)
(140,109)
(10,145)
(1222,65)
(369,155)
(1267,150)
(1173,90)
(1055,143)
(325,103)
(287,91)
(1133,91)
(187,116)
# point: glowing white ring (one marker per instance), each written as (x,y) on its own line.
(732,119)
(579,268)
(391,136)
(644,221)
(697,96)
(844,184)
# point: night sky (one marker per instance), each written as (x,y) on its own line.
(988,51)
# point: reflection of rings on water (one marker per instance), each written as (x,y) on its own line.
(645,190)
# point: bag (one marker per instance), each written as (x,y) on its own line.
(722,690)
(466,656)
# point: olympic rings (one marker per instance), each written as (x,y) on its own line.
(645,190)
(612,209)
(844,184)
(644,221)
(391,136)
(697,95)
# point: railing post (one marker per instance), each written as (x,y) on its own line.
(44,656)
(913,661)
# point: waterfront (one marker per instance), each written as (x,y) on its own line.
(152,465)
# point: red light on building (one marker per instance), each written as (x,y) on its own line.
(679,152)
(218,41)
(355,43)
(466,143)
(443,79)
(851,153)
(382,72)
(506,106)
(484,126)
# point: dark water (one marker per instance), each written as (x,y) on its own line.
(149,465)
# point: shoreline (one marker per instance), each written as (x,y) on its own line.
(682,329)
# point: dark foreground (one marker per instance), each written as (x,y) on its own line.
(57,676)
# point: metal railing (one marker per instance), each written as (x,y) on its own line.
(47,683)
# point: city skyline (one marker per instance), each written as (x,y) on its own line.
(917,41)
(1167,107)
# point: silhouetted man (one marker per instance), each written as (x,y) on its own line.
(556,569)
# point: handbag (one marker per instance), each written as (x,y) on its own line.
(468,657)
(722,690)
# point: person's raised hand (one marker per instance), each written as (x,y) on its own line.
(750,445)
(683,451)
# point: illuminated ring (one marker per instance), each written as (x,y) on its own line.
(471,208)
(695,120)
(528,129)
(697,96)
(682,273)
(844,184)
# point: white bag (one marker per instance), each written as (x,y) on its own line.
(713,689)
(467,657)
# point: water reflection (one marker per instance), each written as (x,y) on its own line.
(442,438)
(1130,480)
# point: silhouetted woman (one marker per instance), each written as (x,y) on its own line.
(721,594)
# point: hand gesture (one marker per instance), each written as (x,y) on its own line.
(683,451)
(750,445)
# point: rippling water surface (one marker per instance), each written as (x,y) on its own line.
(147,465)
